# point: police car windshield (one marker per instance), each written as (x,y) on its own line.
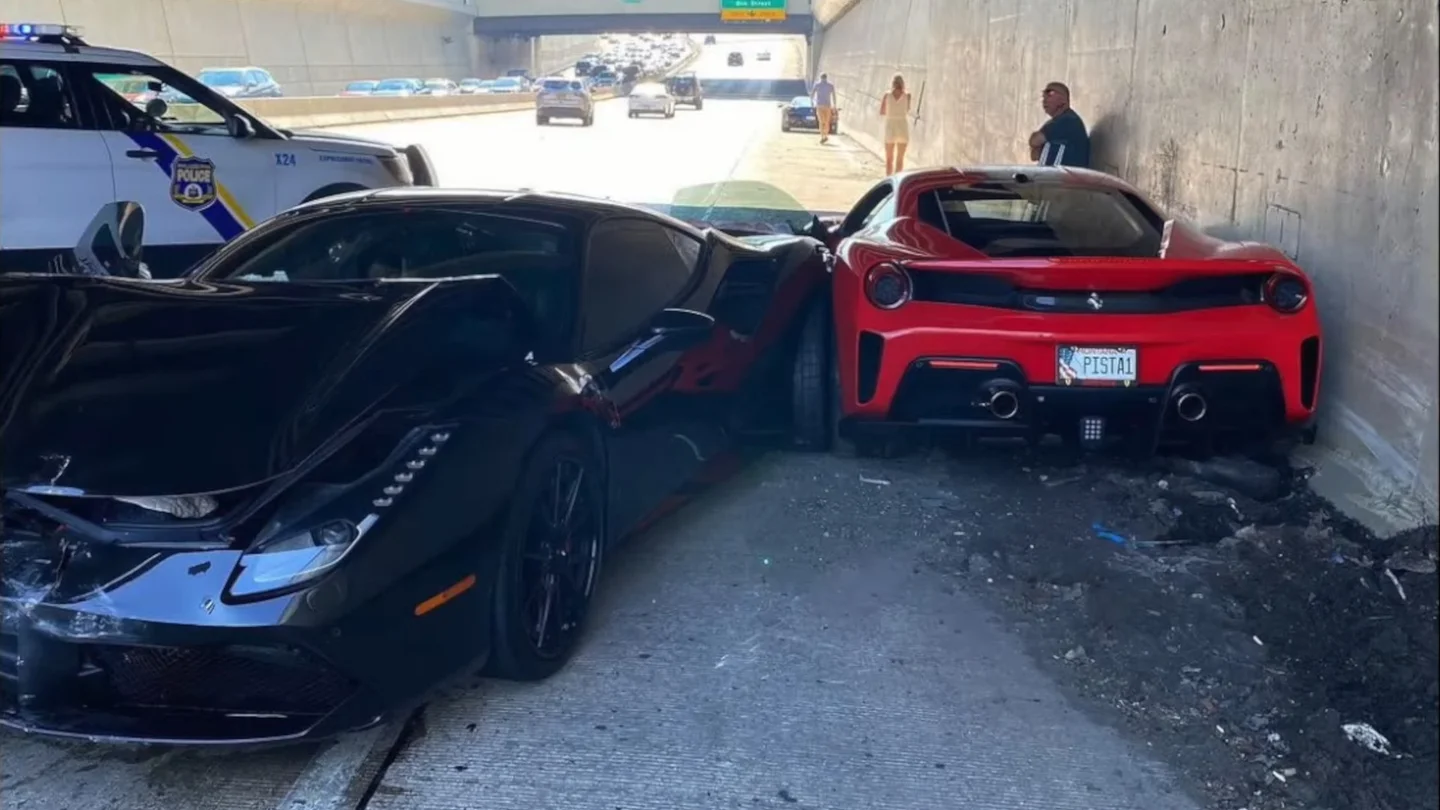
(800,101)
(222,78)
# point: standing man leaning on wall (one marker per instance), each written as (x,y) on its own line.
(1061,141)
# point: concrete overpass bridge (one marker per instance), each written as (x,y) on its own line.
(578,17)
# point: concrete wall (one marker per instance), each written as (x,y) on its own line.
(312,47)
(1307,123)
(554,54)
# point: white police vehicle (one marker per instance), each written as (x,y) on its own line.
(82,127)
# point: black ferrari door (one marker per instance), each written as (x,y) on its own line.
(635,269)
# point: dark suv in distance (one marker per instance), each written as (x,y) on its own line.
(685,87)
(736,59)
(709,39)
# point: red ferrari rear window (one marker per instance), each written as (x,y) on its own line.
(1045,219)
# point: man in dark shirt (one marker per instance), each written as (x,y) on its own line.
(1061,141)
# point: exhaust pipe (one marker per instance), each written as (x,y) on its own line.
(1003,404)
(1191,407)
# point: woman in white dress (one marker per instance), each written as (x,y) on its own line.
(895,111)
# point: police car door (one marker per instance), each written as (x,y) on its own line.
(55,168)
(200,186)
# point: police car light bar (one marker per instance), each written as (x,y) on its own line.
(36,31)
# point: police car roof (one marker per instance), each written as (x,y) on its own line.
(55,52)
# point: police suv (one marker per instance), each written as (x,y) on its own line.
(82,127)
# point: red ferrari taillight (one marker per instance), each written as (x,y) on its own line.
(1286,292)
(888,286)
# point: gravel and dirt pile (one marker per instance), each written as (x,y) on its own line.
(1277,654)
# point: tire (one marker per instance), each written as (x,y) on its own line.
(331,190)
(542,120)
(784,126)
(514,653)
(812,403)
(699,105)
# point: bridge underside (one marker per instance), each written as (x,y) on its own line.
(569,24)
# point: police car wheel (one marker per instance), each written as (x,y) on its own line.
(542,120)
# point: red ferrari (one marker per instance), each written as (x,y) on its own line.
(1038,301)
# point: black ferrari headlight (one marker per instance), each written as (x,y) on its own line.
(314,533)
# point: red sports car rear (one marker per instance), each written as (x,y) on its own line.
(1051,301)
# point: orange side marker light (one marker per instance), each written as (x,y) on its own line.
(445,596)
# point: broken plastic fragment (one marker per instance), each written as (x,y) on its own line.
(1366,735)
(180,506)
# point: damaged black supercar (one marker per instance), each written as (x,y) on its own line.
(380,441)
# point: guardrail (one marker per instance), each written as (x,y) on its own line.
(335,111)
(308,112)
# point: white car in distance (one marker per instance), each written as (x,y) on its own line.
(651,99)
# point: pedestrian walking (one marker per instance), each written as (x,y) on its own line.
(1061,141)
(823,95)
(895,111)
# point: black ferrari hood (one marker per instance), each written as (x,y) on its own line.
(132,388)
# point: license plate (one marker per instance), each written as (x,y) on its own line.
(1088,365)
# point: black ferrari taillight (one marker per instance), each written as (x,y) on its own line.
(888,286)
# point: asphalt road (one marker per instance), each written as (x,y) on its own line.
(788,641)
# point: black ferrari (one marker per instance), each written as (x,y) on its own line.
(800,113)
(381,440)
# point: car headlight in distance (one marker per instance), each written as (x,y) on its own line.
(1286,292)
(888,286)
(399,168)
(290,559)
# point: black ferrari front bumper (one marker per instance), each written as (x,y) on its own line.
(1195,407)
(157,655)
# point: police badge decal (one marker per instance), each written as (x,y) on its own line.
(192,183)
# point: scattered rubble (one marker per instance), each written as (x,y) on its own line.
(1283,656)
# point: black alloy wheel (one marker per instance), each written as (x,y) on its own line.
(554,548)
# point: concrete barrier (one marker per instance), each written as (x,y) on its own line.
(334,111)
(308,112)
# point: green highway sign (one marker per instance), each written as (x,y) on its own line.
(738,10)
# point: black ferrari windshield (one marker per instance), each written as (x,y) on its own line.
(1045,219)
(381,245)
